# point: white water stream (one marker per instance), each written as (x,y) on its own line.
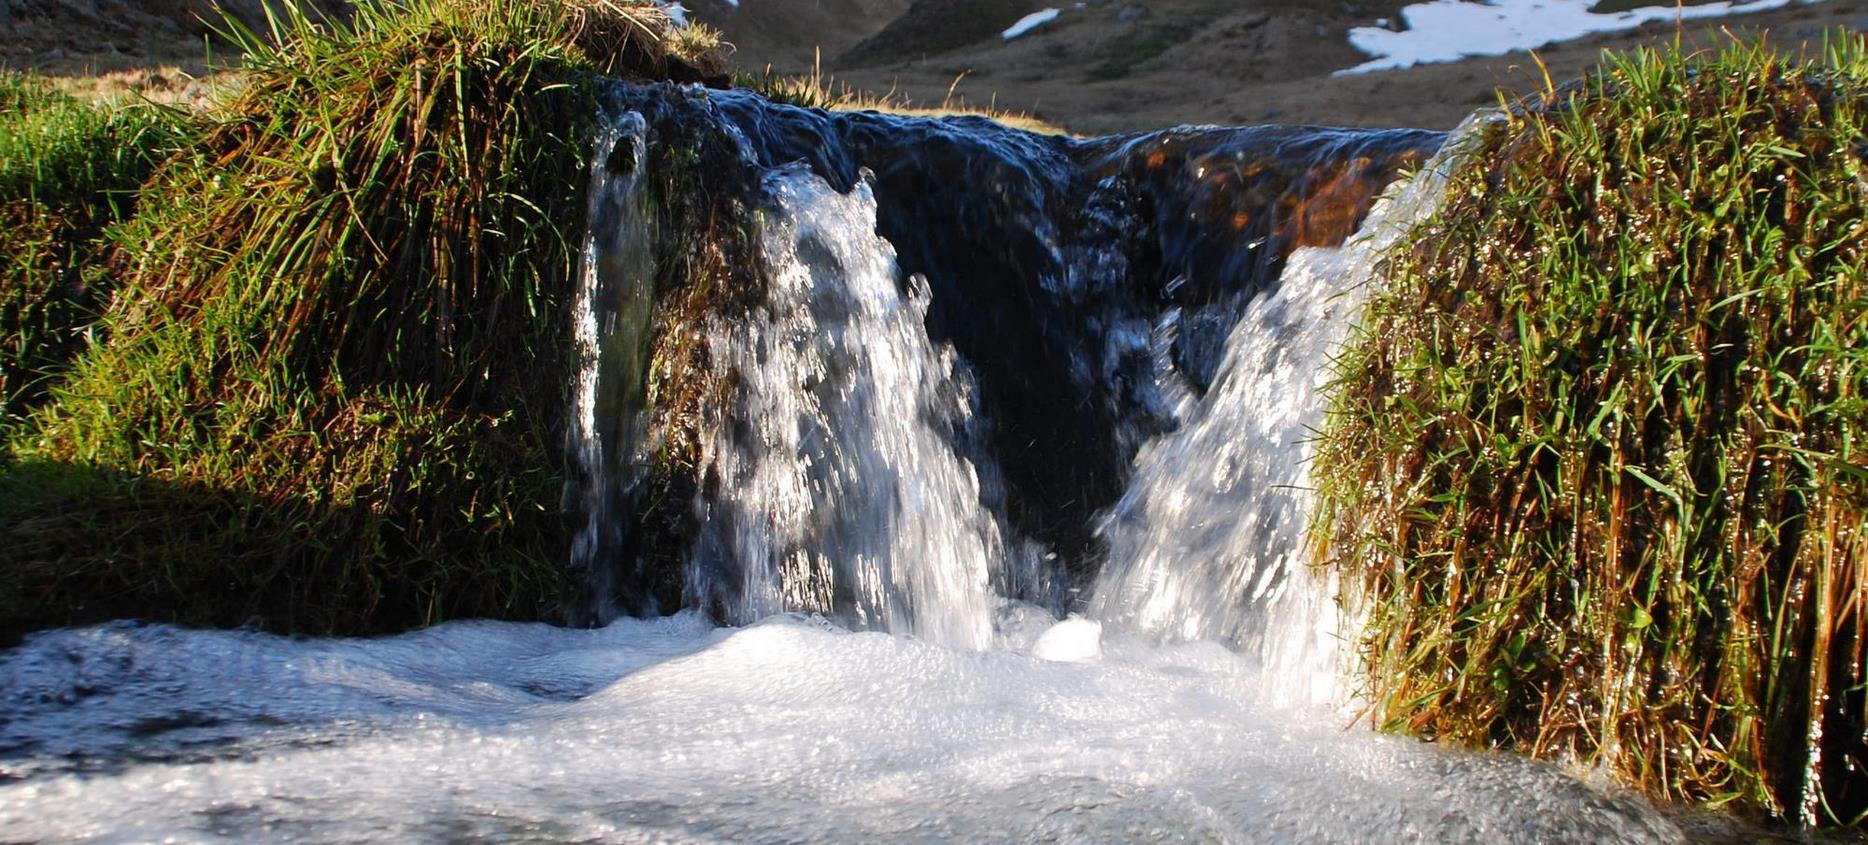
(839,489)
(1209,540)
(613,306)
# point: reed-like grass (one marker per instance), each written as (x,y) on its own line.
(332,396)
(1596,458)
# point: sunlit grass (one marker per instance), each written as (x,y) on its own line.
(68,170)
(331,398)
(818,91)
(1597,456)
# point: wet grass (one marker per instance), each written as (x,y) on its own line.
(331,397)
(1596,458)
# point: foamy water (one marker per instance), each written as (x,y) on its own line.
(673,730)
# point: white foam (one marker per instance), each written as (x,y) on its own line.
(1450,30)
(1074,640)
(671,730)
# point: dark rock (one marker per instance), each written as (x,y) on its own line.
(1049,258)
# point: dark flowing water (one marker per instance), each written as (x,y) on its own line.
(1001,503)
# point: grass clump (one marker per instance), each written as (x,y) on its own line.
(1597,457)
(68,170)
(332,395)
(817,91)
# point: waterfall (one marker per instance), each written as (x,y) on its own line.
(612,307)
(909,360)
(962,364)
(839,488)
(1208,542)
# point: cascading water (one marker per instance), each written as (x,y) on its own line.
(612,306)
(839,489)
(1050,260)
(864,458)
(1209,540)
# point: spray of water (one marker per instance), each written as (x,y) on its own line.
(1208,540)
(837,488)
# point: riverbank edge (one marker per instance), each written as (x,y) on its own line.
(1594,462)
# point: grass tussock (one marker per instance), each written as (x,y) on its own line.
(332,395)
(1597,457)
(68,171)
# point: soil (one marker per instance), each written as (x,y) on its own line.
(160,49)
(789,34)
(1109,66)
(932,27)
(1121,65)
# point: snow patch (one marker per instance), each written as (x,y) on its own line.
(1029,23)
(679,13)
(1450,30)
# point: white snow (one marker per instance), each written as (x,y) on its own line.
(679,13)
(1450,30)
(1029,23)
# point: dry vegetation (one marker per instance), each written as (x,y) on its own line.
(818,91)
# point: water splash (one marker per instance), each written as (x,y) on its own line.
(1051,259)
(1208,540)
(835,485)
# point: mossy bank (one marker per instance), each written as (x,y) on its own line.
(296,361)
(1596,458)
